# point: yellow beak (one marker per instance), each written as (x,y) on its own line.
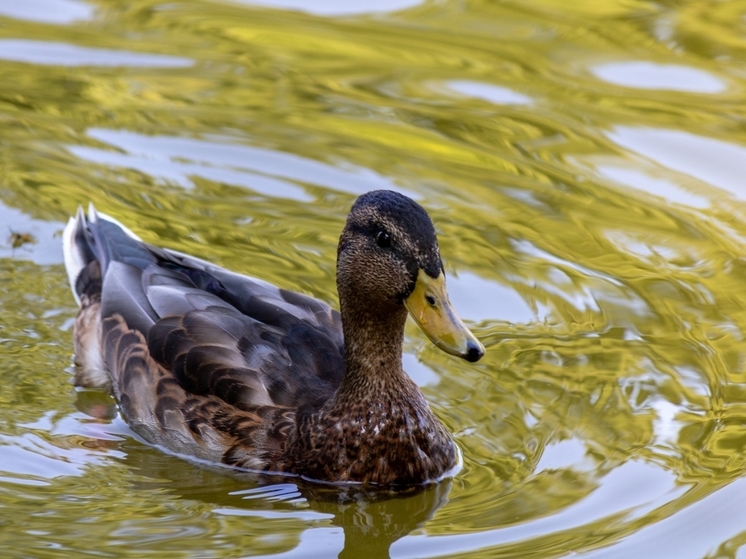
(432,311)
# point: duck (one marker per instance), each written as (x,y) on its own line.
(224,368)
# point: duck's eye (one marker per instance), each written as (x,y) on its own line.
(383,239)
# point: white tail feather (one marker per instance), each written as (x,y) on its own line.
(74,262)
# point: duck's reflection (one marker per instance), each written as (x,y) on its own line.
(372,521)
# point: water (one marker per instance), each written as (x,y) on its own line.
(584,165)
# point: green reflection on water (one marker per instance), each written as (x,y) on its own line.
(596,204)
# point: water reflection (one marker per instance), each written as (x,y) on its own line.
(649,75)
(479,299)
(628,492)
(570,453)
(370,524)
(420,373)
(597,211)
(48,11)
(488,92)
(51,446)
(689,533)
(63,54)
(664,188)
(336,7)
(715,162)
(269,172)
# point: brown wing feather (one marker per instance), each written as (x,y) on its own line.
(217,351)
(203,361)
(158,407)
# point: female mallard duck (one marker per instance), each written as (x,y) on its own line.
(229,369)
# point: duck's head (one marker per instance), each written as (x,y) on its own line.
(388,260)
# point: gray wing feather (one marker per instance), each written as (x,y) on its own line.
(122,294)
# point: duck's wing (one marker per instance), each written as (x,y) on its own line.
(216,327)
(197,355)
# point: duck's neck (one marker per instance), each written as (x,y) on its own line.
(373,353)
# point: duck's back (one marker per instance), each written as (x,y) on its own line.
(203,361)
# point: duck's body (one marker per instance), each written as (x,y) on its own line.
(229,369)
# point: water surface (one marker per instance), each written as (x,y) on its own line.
(584,165)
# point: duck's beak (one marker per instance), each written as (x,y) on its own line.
(432,311)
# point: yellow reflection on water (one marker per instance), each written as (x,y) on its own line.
(583,163)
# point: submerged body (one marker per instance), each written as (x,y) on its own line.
(232,370)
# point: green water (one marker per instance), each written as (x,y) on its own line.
(585,165)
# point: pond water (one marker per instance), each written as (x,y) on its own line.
(585,165)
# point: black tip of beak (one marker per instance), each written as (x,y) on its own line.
(474,352)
